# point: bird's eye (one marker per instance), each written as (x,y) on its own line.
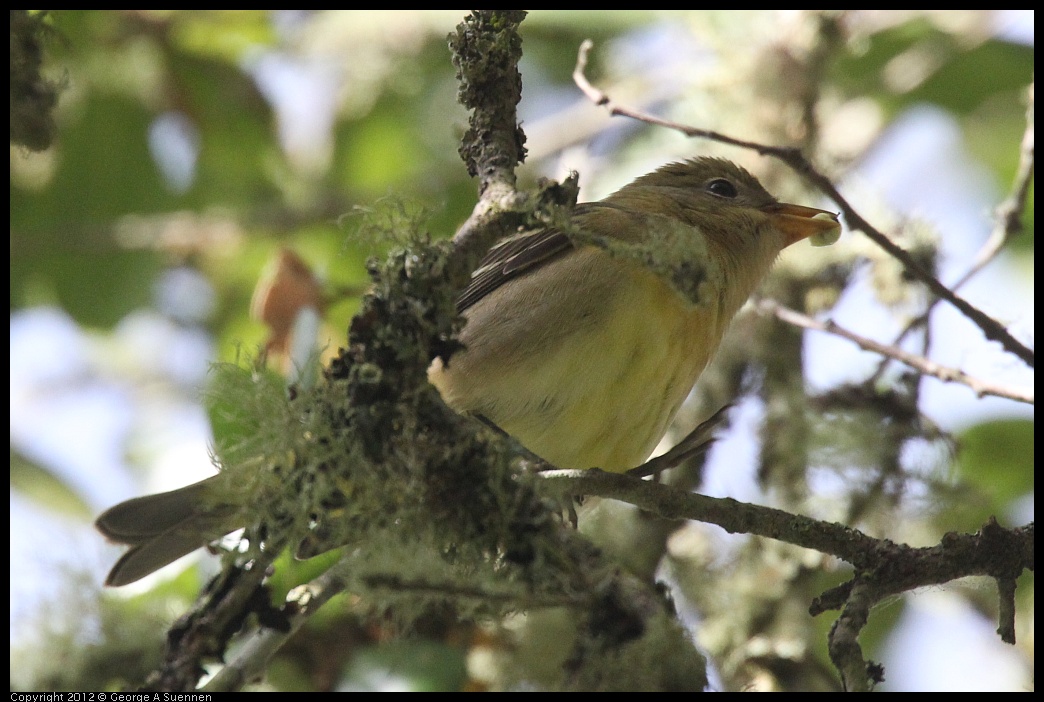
(722,188)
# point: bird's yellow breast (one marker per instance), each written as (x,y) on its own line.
(601,385)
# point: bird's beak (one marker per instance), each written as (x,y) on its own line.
(797,222)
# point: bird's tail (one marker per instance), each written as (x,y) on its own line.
(162,528)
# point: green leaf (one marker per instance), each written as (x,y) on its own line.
(997,457)
(45,488)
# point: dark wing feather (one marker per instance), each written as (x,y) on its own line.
(510,259)
(518,255)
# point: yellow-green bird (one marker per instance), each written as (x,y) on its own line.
(581,351)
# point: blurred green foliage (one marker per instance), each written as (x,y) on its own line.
(368,108)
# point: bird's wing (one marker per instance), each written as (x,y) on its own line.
(520,254)
(510,259)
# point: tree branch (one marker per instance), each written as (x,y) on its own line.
(883,568)
(249,662)
(486,49)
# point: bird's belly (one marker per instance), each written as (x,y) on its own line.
(604,395)
(612,407)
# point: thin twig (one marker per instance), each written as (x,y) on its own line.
(1006,225)
(920,363)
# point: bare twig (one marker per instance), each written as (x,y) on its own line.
(1008,220)
(920,363)
(1007,223)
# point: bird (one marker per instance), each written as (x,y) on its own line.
(581,342)
(585,356)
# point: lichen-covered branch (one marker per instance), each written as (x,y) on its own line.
(486,49)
